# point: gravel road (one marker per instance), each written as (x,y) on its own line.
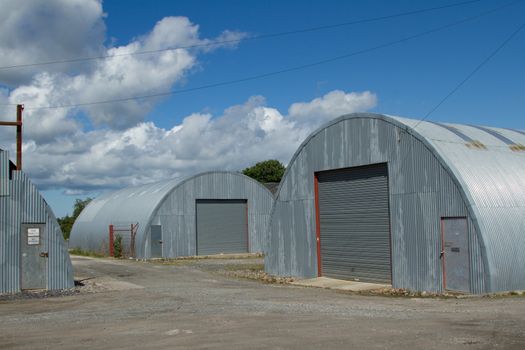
(192,304)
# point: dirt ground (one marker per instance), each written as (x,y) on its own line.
(195,304)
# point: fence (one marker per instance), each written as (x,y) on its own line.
(127,233)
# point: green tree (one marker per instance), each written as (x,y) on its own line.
(267,171)
(66,222)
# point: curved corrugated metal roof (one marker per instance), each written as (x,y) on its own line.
(118,208)
(125,207)
(488,165)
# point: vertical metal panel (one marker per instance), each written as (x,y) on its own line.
(25,205)
(422,190)
(456,254)
(355,224)
(34,256)
(4,173)
(222,226)
(156,241)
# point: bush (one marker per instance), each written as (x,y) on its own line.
(267,171)
(117,246)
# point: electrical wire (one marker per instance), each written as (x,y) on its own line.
(459,85)
(278,72)
(232,41)
(472,73)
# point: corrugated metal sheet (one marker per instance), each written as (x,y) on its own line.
(434,173)
(171,204)
(25,205)
(4,173)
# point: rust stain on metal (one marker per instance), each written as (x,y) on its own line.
(475,144)
(517,148)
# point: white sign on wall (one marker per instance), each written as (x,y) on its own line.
(33,240)
(33,236)
(33,232)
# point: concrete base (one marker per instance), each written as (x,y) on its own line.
(331,283)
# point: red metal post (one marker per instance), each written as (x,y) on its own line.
(111,241)
(132,241)
(317,225)
(19,109)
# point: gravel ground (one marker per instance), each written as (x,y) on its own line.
(199,305)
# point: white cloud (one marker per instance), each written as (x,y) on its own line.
(241,136)
(106,146)
(121,76)
(46,31)
(336,102)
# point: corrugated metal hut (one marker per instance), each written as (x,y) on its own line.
(209,213)
(421,205)
(33,253)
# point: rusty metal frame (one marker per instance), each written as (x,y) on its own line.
(18,124)
(132,231)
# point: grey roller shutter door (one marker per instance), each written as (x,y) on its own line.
(221,226)
(355,223)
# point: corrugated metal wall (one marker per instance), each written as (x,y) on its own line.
(421,192)
(176,214)
(172,204)
(4,173)
(24,204)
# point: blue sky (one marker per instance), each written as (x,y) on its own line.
(409,79)
(77,152)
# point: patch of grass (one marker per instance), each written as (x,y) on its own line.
(78,251)
(513,293)
(172,262)
(221,256)
(245,267)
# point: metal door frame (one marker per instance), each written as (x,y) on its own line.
(219,200)
(442,252)
(318,219)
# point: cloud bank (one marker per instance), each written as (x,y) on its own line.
(97,147)
(240,136)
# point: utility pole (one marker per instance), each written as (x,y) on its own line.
(18,124)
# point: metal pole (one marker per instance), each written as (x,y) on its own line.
(19,109)
(18,124)
(111,241)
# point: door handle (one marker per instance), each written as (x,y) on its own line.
(44,255)
(442,254)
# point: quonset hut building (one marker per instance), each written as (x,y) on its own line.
(33,253)
(209,213)
(421,205)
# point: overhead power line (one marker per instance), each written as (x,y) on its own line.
(251,38)
(278,72)
(458,86)
(472,73)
